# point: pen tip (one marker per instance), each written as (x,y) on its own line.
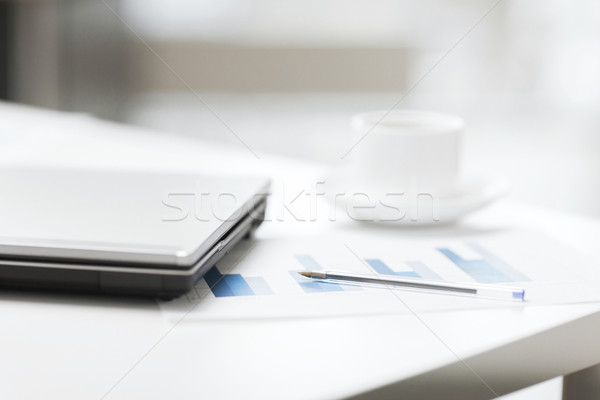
(305,273)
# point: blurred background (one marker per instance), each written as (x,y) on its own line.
(287,76)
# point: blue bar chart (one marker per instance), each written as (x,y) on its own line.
(265,283)
(486,268)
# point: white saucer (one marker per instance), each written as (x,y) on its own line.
(362,201)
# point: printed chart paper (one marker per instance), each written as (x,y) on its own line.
(259,279)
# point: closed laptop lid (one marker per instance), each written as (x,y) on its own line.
(120,217)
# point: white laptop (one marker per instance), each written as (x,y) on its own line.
(124,233)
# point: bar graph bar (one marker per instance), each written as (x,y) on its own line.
(238,285)
(382,269)
(259,286)
(488,269)
(308,262)
(230,285)
(508,270)
(424,271)
(312,286)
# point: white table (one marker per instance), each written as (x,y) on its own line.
(66,346)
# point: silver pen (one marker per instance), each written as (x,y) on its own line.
(484,290)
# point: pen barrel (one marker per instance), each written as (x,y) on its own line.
(482,290)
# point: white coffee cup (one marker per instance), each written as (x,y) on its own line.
(407,149)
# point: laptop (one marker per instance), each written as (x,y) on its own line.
(131,233)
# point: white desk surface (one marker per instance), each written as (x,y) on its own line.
(60,345)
